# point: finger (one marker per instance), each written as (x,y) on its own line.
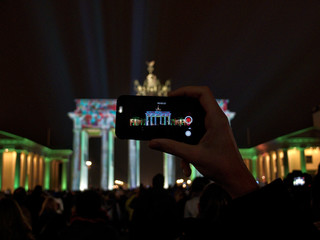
(185,166)
(182,150)
(202,93)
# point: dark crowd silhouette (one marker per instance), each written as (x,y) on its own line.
(194,212)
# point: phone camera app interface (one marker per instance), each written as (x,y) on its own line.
(161,116)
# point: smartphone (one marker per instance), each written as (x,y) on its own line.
(149,117)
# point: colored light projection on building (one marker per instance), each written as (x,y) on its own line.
(96,112)
(93,118)
(223,104)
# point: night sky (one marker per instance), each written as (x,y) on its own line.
(264,56)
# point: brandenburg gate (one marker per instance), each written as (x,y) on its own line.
(93,118)
(96,118)
(151,117)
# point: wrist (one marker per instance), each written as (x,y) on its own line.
(241,184)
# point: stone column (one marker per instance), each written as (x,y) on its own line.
(47,172)
(273,166)
(134,164)
(84,158)
(17,171)
(110,159)
(35,176)
(76,159)
(267,167)
(41,170)
(25,170)
(30,171)
(260,168)
(254,167)
(302,160)
(64,175)
(169,170)
(104,159)
(280,172)
(285,162)
(54,174)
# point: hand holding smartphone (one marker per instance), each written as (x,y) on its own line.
(216,156)
(148,117)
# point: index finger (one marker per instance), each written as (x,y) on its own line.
(202,93)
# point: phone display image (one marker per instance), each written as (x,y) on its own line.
(160,118)
(145,118)
(298,181)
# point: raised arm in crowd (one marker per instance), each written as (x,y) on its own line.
(267,211)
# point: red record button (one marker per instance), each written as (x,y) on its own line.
(188,120)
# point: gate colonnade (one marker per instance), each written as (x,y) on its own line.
(24,163)
(277,158)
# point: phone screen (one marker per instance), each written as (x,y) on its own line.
(146,117)
(298,181)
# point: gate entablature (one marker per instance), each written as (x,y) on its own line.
(96,113)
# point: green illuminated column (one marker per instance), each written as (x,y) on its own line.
(285,162)
(110,160)
(47,173)
(17,171)
(25,174)
(302,160)
(134,164)
(169,169)
(75,175)
(84,158)
(30,171)
(104,159)
(64,175)
(254,167)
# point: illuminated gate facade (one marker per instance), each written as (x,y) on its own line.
(93,118)
(163,118)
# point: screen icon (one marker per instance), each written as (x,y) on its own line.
(188,120)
